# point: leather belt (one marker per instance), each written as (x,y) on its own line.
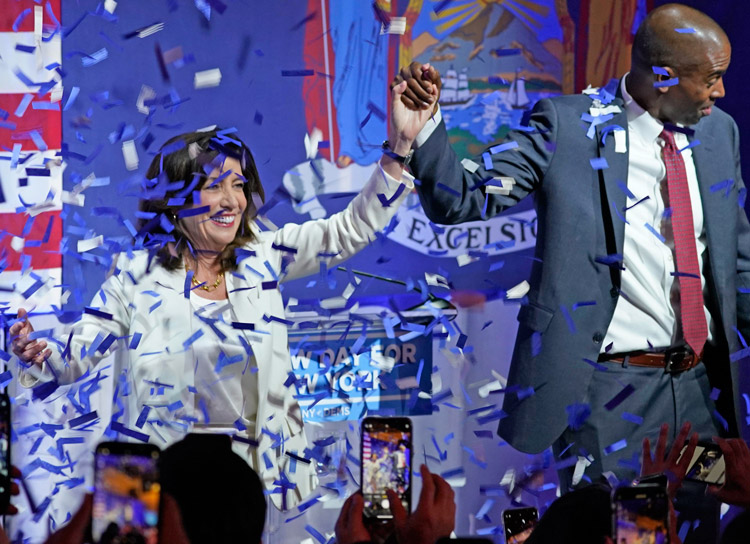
(673,361)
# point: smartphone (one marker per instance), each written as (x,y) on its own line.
(126,493)
(4,451)
(641,514)
(707,464)
(518,523)
(386,451)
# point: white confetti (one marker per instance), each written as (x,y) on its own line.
(90,243)
(469,165)
(207,78)
(518,291)
(130,154)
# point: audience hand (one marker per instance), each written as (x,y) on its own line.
(671,463)
(29,351)
(736,488)
(350,527)
(420,79)
(435,516)
(75,531)
(10,510)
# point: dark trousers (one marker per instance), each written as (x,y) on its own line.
(613,435)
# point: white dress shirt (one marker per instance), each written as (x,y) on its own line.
(645,315)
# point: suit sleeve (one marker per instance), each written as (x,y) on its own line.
(743,247)
(452,194)
(91,339)
(336,238)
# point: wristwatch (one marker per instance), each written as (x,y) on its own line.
(405,160)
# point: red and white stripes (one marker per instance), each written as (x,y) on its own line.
(30,163)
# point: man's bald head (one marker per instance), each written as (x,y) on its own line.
(658,43)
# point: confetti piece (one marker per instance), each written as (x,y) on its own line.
(97,313)
(469,165)
(89,244)
(23,105)
(667,83)
(118,427)
(578,413)
(685,31)
(660,71)
(81,420)
(130,155)
(599,163)
(297,73)
(691,144)
(620,397)
(627,416)
(386,202)
(503,147)
(655,232)
(617,446)
(207,78)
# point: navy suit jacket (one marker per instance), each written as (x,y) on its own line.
(580,213)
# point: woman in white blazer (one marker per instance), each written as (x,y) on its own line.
(193,313)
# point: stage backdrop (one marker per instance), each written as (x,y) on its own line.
(305,82)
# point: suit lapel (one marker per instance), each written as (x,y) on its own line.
(717,217)
(616,173)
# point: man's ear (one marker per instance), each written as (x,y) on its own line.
(662,74)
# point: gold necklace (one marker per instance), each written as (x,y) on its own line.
(206,287)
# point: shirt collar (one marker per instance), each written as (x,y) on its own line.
(639,119)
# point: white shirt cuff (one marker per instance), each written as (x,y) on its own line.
(428,129)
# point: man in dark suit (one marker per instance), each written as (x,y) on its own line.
(639,287)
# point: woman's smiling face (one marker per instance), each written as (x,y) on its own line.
(217,228)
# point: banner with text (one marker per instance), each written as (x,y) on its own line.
(351,375)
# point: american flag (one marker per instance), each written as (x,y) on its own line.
(31,160)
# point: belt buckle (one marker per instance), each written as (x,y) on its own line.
(677,360)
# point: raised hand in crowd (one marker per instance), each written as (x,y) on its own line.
(29,351)
(76,530)
(671,464)
(736,488)
(423,86)
(434,517)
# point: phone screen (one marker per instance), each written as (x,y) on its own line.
(386,464)
(519,522)
(126,496)
(4,449)
(707,465)
(641,516)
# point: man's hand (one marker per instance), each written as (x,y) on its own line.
(736,488)
(435,516)
(350,527)
(29,351)
(671,464)
(421,81)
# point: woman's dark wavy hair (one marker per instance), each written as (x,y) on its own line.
(182,166)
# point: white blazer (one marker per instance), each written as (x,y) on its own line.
(145,299)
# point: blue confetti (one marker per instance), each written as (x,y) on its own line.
(627,416)
(617,446)
(667,83)
(599,163)
(620,397)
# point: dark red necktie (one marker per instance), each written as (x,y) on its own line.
(694,326)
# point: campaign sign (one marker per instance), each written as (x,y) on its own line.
(349,374)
